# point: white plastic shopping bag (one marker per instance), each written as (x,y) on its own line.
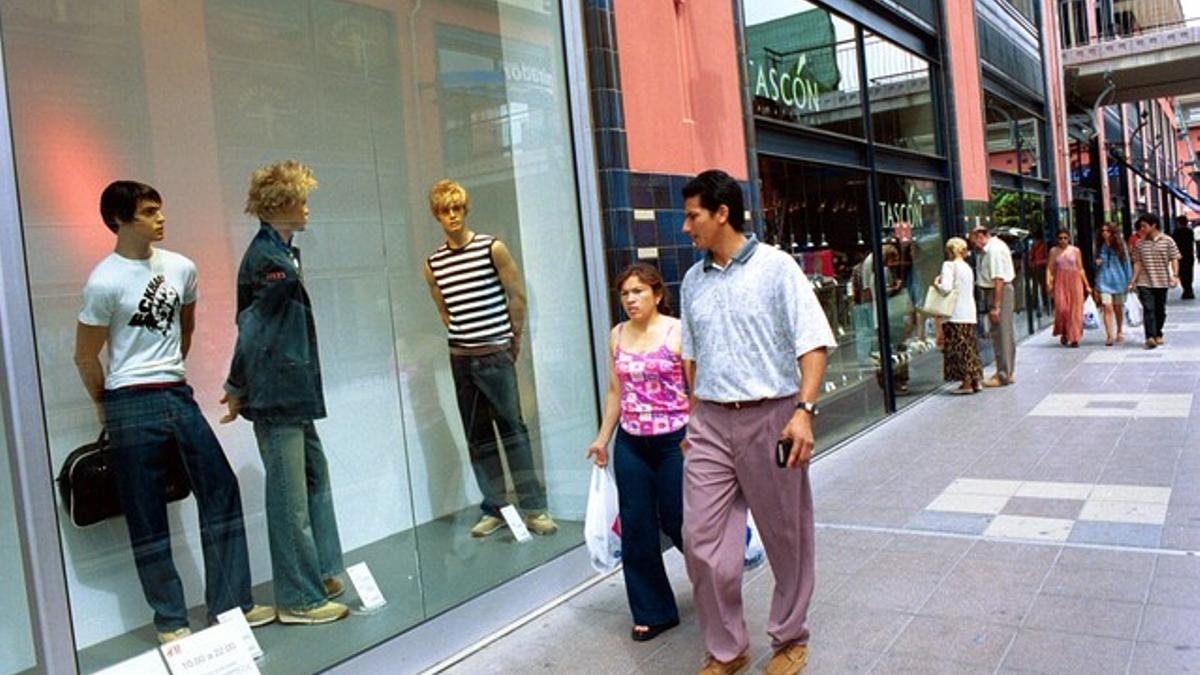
(1091,316)
(602,524)
(1133,310)
(755,554)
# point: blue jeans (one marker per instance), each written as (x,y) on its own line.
(486,387)
(144,427)
(301,526)
(649,473)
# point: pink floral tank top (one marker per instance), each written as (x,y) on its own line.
(653,396)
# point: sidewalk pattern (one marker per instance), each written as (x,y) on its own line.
(1052,526)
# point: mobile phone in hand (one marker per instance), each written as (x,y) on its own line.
(783,449)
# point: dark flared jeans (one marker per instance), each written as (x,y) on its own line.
(649,473)
(1154,310)
(145,425)
(488,401)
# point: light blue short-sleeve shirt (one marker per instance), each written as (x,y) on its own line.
(746,324)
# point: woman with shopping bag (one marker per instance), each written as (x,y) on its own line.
(1113,273)
(647,408)
(1066,281)
(956,329)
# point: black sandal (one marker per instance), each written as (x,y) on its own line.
(652,632)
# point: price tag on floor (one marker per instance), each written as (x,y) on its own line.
(515,524)
(364,584)
(217,650)
(237,619)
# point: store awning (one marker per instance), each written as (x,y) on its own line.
(1188,200)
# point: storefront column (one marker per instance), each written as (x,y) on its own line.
(968,143)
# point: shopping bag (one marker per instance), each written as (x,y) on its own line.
(1133,310)
(755,555)
(1091,317)
(602,523)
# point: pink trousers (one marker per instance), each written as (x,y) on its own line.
(729,466)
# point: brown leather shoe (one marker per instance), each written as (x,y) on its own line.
(789,660)
(714,667)
(994,381)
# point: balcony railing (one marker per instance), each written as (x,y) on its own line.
(1119,19)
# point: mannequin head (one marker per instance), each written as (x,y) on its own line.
(122,202)
(279,194)
(450,204)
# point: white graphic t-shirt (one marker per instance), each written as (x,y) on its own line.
(139,301)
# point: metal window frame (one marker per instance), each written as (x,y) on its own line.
(21,404)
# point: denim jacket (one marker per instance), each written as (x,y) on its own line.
(276,369)
(1114,274)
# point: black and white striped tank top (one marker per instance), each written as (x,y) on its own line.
(470,285)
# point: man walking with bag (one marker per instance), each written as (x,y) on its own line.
(749,317)
(1155,269)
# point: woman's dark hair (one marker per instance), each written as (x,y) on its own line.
(649,275)
(1118,242)
(119,201)
(716,188)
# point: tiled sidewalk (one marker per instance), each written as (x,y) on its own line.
(1051,526)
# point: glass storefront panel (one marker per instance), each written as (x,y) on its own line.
(902,111)
(1013,138)
(1019,219)
(381,101)
(803,65)
(820,215)
(911,219)
(16,638)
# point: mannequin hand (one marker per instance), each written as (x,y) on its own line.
(233,404)
(598,453)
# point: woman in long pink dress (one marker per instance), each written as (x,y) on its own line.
(1068,284)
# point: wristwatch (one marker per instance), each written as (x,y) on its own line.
(810,408)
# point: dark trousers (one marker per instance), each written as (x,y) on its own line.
(1186,268)
(486,388)
(649,473)
(144,426)
(1154,310)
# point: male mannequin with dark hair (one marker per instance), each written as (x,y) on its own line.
(140,301)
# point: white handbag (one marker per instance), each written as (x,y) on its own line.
(939,303)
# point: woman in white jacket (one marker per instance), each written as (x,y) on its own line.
(956,334)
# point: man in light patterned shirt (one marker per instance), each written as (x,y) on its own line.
(749,316)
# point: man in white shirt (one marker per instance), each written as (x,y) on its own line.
(994,274)
(141,302)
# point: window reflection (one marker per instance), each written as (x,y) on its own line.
(820,215)
(1013,138)
(902,112)
(804,67)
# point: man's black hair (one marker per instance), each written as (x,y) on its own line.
(1150,219)
(1181,221)
(716,188)
(119,201)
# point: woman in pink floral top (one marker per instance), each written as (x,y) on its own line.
(647,399)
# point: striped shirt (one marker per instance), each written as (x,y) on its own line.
(1155,255)
(470,286)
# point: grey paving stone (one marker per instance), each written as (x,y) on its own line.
(1042,651)
(1183,515)
(897,590)
(992,602)
(1156,659)
(1121,534)
(854,628)
(1183,538)
(962,641)
(1175,591)
(1179,626)
(945,521)
(835,662)
(1178,566)
(929,664)
(1085,616)
(1043,508)
(1135,562)
(1095,582)
(1031,555)
(1018,574)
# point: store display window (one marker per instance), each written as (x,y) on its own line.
(349,395)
